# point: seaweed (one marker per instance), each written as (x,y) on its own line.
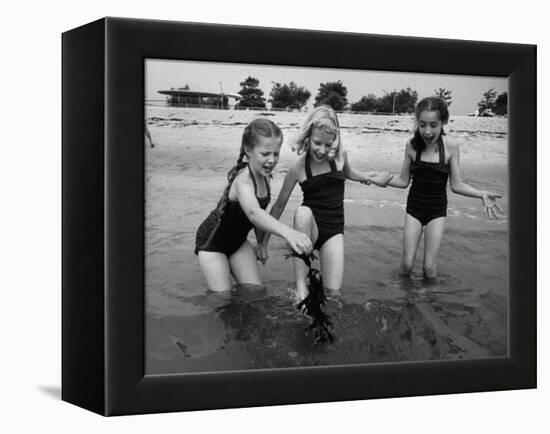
(322,325)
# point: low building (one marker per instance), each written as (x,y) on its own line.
(192,98)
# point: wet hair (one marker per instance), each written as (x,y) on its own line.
(432,104)
(253,131)
(324,118)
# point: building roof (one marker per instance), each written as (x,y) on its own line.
(194,93)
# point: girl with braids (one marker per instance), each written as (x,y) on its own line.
(321,171)
(221,241)
(429,161)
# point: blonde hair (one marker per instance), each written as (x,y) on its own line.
(324,118)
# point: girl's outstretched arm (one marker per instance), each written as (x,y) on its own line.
(260,249)
(458,186)
(278,207)
(244,189)
(289,183)
(378,178)
(402,180)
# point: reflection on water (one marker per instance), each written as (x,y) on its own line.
(252,328)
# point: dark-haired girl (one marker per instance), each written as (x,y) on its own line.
(430,161)
(221,241)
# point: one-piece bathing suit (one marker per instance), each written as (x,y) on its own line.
(228,233)
(324,195)
(427,198)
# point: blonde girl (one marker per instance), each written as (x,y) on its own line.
(321,171)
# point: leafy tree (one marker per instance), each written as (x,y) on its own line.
(367,103)
(445,95)
(333,94)
(493,102)
(501,104)
(488,101)
(385,103)
(406,100)
(403,101)
(252,95)
(288,96)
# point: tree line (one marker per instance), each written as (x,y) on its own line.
(493,103)
(291,96)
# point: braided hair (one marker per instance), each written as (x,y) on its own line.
(435,104)
(254,130)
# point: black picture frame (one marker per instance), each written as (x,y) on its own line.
(103,216)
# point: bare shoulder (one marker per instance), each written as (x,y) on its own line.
(343,158)
(243,176)
(297,169)
(242,182)
(409,150)
(452,145)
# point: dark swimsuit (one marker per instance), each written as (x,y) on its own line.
(427,198)
(324,195)
(228,234)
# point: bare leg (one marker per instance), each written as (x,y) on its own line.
(332,262)
(432,240)
(216,270)
(148,137)
(244,265)
(411,238)
(303,222)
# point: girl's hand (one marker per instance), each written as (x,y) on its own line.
(368,177)
(490,205)
(261,253)
(299,242)
(382,179)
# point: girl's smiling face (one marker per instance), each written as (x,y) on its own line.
(429,126)
(320,144)
(263,157)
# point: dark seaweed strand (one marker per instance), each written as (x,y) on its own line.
(322,325)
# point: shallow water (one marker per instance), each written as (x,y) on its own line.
(265,331)
(378,315)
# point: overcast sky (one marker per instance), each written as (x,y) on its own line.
(207,76)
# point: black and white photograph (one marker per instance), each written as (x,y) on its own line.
(277,217)
(302,217)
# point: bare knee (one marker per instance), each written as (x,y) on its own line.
(303,218)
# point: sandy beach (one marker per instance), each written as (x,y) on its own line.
(378,316)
